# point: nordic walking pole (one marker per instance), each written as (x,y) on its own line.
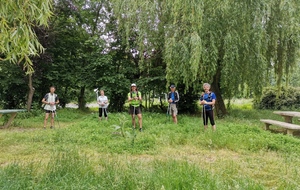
(57,119)
(167,113)
(133,115)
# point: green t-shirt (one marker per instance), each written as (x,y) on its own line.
(134,103)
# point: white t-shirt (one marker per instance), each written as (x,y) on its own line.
(102,99)
(50,98)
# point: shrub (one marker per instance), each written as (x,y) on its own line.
(288,98)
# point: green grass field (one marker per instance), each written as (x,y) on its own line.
(83,153)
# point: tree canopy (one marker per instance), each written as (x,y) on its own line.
(231,44)
(18,41)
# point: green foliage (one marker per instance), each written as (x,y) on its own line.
(17,40)
(13,86)
(288,98)
(189,101)
(226,43)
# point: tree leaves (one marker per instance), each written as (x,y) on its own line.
(17,40)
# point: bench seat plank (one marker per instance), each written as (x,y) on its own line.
(11,111)
(13,114)
(289,126)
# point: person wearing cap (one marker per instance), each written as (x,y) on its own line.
(135,99)
(173,98)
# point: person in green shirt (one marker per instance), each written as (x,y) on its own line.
(135,99)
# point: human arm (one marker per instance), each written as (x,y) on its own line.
(177,99)
(129,98)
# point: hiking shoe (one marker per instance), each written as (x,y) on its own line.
(141,130)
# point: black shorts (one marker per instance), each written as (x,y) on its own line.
(49,111)
(135,110)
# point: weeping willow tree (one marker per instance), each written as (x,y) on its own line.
(229,43)
(18,40)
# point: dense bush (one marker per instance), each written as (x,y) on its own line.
(288,98)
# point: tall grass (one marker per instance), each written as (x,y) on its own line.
(84,153)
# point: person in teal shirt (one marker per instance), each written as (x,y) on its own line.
(135,99)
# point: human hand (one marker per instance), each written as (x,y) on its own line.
(170,100)
(203,102)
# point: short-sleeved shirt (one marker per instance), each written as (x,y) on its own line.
(208,97)
(50,98)
(134,103)
(174,96)
(102,99)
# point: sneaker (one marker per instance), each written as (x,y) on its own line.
(44,127)
(141,130)
(51,127)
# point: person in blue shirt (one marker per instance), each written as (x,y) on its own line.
(208,100)
(173,98)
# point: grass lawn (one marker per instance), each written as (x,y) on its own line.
(84,153)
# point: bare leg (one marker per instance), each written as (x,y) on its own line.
(140,120)
(214,128)
(52,119)
(174,119)
(45,120)
(205,127)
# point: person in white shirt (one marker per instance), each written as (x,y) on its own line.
(50,100)
(103,103)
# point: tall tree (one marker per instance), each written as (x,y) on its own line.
(223,42)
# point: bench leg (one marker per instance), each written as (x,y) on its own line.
(267,126)
(12,117)
(289,132)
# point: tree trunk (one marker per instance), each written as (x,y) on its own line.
(215,87)
(81,99)
(30,92)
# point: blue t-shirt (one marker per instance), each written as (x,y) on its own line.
(173,97)
(208,97)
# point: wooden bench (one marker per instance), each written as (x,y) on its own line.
(288,126)
(13,114)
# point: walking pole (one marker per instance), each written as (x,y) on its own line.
(204,114)
(105,112)
(168,113)
(57,119)
(96,90)
(133,115)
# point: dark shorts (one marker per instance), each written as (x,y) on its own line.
(135,110)
(104,111)
(49,111)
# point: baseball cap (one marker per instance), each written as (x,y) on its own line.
(133,84)
(172,86)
